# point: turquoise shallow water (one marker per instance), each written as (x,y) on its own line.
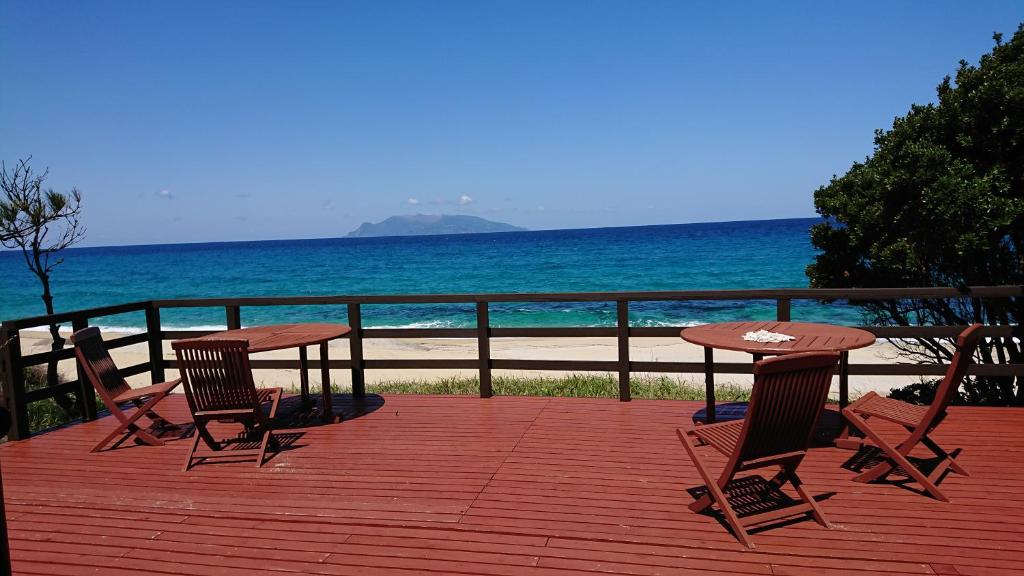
(729,255)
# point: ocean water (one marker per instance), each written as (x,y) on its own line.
(726,255)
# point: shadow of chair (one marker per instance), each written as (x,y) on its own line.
(724,412)
(293,413)
(753,495)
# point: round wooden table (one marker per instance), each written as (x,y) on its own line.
(281,336)
(808,337)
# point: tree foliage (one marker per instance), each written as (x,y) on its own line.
(41,223)
(940,202)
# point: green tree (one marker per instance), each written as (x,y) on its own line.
(940,202)
(40,222)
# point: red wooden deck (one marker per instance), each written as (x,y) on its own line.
(545,486)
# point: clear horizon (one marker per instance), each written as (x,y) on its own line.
(195,122)
(343,236)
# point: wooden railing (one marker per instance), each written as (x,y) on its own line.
(17,398)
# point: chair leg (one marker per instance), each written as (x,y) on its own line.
(275,400)
(202,432)
(896,458)
(264,422)
(798,485)
(191,450)
(263,447)
(145,436)
(947,457)
(705,501)
(128,430)
(715,493)
(253,423)
(880,470)
(161,422)
(779,479)
(119,430)
(128,427)
(145,410)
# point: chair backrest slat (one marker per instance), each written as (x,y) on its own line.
(97,364)
(788,397)
(216,374)
(966,344)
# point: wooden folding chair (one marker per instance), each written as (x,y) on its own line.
(919,421)
(99,368)
(788,397)
(219,387)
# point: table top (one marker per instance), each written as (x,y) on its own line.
(280,336)
(809,337)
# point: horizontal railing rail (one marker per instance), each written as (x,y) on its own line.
(17,398)
(13,363)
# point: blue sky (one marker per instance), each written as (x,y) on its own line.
(205,121)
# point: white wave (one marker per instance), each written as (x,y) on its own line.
(644,323)
(206,327)
(647,323)
(428,324)
(65,328)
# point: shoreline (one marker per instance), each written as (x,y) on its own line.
(544,348)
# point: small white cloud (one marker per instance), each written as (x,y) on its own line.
(413,201)
(165,194)
(463,200)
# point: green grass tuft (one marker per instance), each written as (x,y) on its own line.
(573,385)
(44,414)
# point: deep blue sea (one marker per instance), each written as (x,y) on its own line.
(724,255)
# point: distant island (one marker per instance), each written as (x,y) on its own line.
(430,224)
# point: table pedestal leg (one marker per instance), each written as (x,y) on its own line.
(845,439)
(709,385)
(844,384)
(325,378)
(304,375)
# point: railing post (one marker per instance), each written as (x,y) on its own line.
(622,313)
(355,346)
(14,382)
(483,345)
(5,550)
(234,317)
(86,394)
(782,309)
(156,343)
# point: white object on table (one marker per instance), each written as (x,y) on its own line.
(766,336)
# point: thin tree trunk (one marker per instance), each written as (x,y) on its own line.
(65,402)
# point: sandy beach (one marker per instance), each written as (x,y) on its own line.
(642,349)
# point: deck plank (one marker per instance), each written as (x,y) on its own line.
(462,485)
